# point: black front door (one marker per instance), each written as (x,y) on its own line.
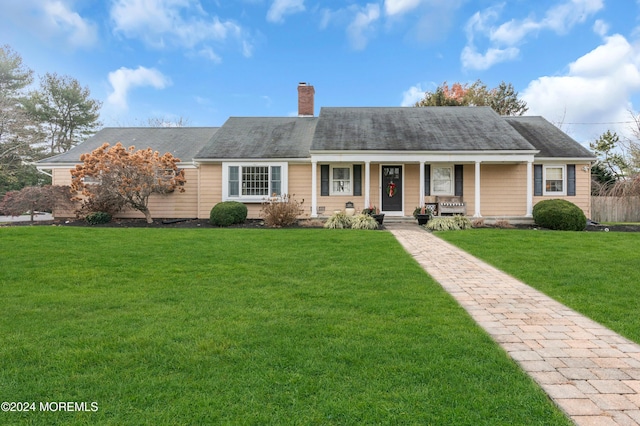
(392,188)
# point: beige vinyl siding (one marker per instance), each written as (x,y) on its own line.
(503,189)
(300,186)
(210,188)
(176,205)
(62,177)
(582,198)
(411,185)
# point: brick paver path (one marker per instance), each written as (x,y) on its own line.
(592,373)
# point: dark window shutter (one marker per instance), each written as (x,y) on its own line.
(357,179)
(571,179)
(537,179)
(458,175)
(427,179)
(324,179)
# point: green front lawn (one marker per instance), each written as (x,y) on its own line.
(219,326)
(595,273)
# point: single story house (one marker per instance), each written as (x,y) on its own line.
(395,158)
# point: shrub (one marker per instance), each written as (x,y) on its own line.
(448,223)
(228,213)
(338,221)
(35,198)
(560,215)
(363,221)
(478,223)
(281,211)
(503,224)
(102,200)
(97,218)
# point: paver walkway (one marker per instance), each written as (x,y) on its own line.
(591,372)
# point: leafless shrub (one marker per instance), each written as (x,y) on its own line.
(477,223)
(503,224)
(281,211)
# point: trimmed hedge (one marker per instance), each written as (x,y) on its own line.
(97,218)
(560,215)
(228,213)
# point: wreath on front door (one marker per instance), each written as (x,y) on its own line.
(391,189)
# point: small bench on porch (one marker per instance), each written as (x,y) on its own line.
(451,205)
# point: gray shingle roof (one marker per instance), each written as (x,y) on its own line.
(181,142)
(551,141)
(261,137)
(415,129)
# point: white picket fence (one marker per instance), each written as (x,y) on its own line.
(615,209)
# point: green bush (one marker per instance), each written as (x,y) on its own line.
(228,213)
(97,218)
(448,223)
(560,215)
(363,221)
(339,221)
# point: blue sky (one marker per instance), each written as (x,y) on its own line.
(575,62)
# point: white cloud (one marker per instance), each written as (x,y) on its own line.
(470,58)
(400,7)
(597,88)
(52,20)
(600,27)
(503,39)
(412,95)
(280,8)
(360,29)
(174,23)
(80,32)
(125,79)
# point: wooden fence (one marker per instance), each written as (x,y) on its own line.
(615,209)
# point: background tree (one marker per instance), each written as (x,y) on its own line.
(18,135)
(610,157)
(503,99)
(64,111)
(127,176)
(32,199)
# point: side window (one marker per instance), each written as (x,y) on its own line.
(554,180)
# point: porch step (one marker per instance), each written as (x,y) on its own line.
(399,219)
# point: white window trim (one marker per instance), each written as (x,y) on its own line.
(432,180)
(341,166)
(544,179)
(284,180)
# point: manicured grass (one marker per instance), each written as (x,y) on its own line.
(218,326)
(595,273)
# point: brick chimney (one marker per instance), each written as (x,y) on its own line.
(305,100)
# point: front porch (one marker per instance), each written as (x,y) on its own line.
(489,189)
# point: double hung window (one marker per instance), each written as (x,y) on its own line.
(442,180)
(554,180)
(341,181)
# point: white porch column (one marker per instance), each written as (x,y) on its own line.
(367,184)
(529,189)
(314,190)
(421,199)
(477,190)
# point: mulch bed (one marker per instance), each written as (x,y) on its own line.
(158,223)
(250,223)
